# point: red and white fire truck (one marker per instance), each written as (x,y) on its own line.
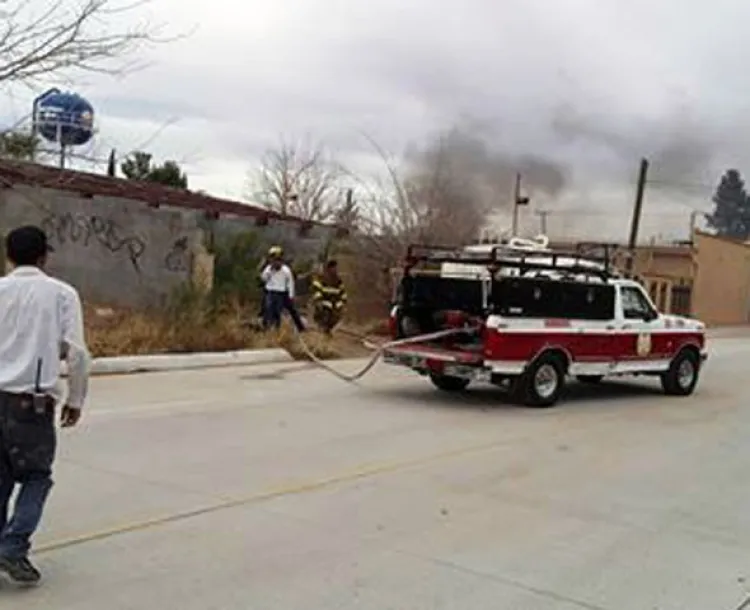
(527,317)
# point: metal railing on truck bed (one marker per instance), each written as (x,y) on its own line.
(588,259)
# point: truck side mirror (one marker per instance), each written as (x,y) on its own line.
(651,316)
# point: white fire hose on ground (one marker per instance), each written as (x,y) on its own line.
(379,349)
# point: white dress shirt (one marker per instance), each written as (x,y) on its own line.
(41,320)
(278,280)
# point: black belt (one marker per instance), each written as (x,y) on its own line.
(25,400)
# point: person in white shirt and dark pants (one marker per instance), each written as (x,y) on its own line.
(41,324)
(278,280)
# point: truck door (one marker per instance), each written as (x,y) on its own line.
(637,323)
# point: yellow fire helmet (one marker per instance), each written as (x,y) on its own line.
(275,251)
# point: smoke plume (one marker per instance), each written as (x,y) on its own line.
(490,172)
(680,149)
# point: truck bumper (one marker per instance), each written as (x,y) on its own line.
(432,361)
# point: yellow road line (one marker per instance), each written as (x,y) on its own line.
(269,494)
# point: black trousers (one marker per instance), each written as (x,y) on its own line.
(274,305)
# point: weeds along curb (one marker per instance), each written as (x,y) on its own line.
(124,365)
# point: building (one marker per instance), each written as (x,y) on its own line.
(721,285)
(708,278)
(667,272)
(130,243)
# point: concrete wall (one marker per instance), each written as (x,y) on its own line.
(299,245)
(721,288)
(125,253)
(113,250)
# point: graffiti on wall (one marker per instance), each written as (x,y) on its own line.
(178,258)
(89,230)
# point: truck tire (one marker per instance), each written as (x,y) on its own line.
(543,382)
(448,383)
(590,378)
(682,376)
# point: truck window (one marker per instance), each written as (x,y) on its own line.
(635,305)
(545,298)
(436,293)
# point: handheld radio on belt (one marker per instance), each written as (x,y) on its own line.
(40,398)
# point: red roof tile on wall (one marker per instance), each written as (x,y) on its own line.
(87,184)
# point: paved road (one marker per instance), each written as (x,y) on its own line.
(270,488)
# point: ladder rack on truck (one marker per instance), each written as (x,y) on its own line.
(581,261)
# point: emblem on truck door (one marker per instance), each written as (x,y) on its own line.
(643,344)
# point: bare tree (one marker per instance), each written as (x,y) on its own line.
(43,39)
(431,197)
(434,197)
(300,180)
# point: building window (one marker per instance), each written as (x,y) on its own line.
(681,300)
(663,287)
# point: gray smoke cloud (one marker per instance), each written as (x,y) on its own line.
(492,172)
(681,150)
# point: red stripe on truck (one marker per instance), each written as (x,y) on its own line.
(586,347)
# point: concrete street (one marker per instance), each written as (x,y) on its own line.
(281,487)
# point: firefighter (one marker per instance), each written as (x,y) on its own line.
(329,297)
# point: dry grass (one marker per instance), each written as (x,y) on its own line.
(121,332)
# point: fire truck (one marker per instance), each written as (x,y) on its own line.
(527,317)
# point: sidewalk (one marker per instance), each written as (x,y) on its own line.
(729,332)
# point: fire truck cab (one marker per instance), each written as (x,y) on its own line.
(529,318)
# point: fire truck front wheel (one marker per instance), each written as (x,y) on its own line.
(543,382)
(682,376)
(448,383)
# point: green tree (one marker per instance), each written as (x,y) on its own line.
(18,145)
(731,214)
(138,166)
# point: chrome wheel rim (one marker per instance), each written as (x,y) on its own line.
(685,373)
(546,379)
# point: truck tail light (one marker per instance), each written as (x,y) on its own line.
(393,323)
(493,342)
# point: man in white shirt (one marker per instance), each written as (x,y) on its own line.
(275,267)
(41,323)
(278,280)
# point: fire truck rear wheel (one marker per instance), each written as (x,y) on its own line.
(682,376)
(543,382)
(448,383)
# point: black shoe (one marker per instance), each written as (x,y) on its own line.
(20,571)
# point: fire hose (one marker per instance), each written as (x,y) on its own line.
(378,350)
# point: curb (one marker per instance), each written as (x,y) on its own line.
(123,365)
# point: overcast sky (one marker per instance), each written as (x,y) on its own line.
(591,85)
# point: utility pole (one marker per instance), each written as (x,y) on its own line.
(517,201)
(542,220)
(637,208)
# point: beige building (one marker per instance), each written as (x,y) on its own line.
(708,279)
(722,281)
(668,273)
